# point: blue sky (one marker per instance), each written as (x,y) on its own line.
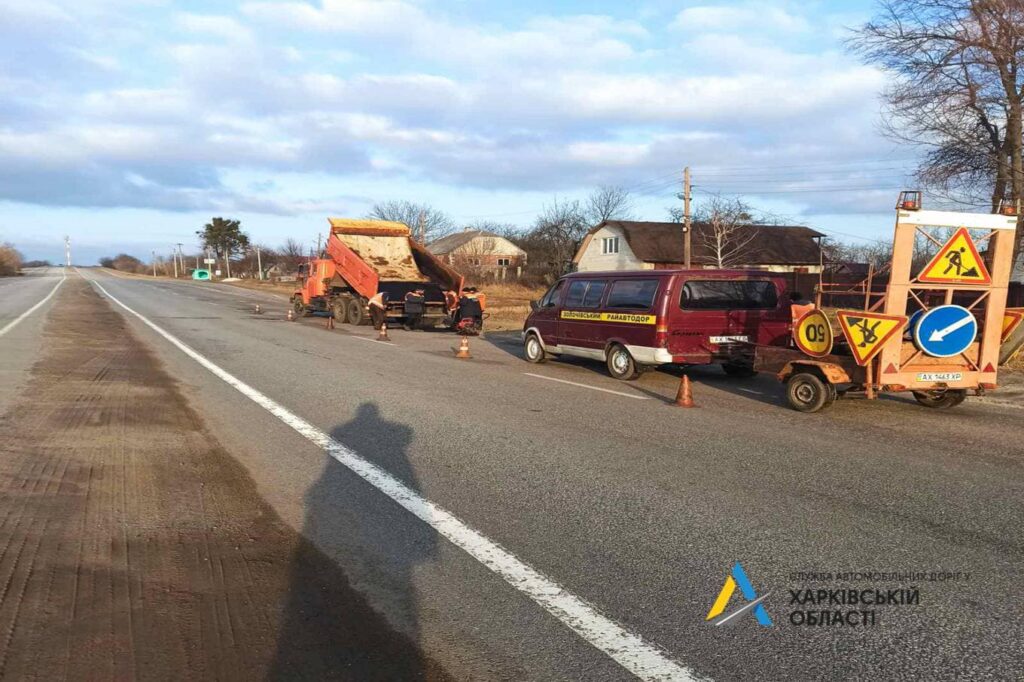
(129,123)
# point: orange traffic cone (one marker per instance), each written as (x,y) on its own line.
(383,334)
(291,315)
(684,396)
(463,352)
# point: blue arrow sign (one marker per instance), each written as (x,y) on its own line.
(945,331)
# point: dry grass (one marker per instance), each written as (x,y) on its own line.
(508,305)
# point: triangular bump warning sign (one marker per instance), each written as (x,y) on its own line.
(867,332)
(957,262)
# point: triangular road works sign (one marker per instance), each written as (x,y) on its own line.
(957,262)
(867,332)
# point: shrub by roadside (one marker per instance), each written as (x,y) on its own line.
(10,260)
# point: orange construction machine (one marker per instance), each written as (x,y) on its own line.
(375,268)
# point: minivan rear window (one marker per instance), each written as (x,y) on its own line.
(723,294)
(632,294)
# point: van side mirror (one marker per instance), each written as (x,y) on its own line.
(534,305)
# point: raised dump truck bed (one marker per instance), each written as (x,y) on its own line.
(369,257)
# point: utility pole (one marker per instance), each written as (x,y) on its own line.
(227,260)
(259,262)
(181,257)
(686,218)
(154,263)
(174,256)
(67,251)
(422,229)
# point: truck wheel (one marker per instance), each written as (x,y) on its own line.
(941,399)
(808,393)
(340,312)
(621,364)
(299,307)
(534,349)
(356,312)
(739,370)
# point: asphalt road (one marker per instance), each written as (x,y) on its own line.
(19,333)
(636,507)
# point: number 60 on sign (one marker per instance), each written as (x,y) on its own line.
(813,334)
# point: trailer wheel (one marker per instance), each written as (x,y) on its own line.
(621,364)
(941,399)
(534,349)
(356,312)
(807,392)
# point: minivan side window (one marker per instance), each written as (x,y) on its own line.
(721,294)
(577,289)
(592,299)
(632,294)
(551,298)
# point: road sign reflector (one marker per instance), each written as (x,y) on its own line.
(890,368)
(813,334)
(867,332)
(1011,320)
(945,331)
(989,368)
(957,262)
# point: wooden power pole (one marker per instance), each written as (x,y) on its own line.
(686,218)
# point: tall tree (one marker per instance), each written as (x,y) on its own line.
(224,236)
(608,202)
(727,230)
(427,223)
(291,254)
(958,88)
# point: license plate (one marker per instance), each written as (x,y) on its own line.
(729,339)
(940,376)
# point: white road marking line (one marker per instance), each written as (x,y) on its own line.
(10,325)
(363,338)
(750,390)
(593,388)
(629,650)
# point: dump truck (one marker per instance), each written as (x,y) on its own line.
(367,258)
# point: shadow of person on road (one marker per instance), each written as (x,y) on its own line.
(329,630)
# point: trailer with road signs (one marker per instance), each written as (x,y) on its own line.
(913,337)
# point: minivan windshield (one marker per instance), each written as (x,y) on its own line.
(721,294)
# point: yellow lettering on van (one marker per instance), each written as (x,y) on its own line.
(629,318)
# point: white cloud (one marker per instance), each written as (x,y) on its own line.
(739,17)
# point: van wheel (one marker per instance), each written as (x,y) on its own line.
(356,313)
(621,364)
(534,349)
(939,399)
(739,370)
(808,393)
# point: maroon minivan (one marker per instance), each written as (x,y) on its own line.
(637,319)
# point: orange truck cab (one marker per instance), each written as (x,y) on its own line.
(633,320)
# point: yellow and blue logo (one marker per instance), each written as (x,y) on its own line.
(738,577)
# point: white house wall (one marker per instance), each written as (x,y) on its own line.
(593,260)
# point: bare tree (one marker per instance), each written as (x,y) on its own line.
(958,89)
(427,223)
(291,254)
(726,231)
(552,241)
(608,202)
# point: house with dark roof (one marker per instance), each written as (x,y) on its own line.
(480,252)
(635,245)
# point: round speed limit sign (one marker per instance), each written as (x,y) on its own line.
(813,334)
